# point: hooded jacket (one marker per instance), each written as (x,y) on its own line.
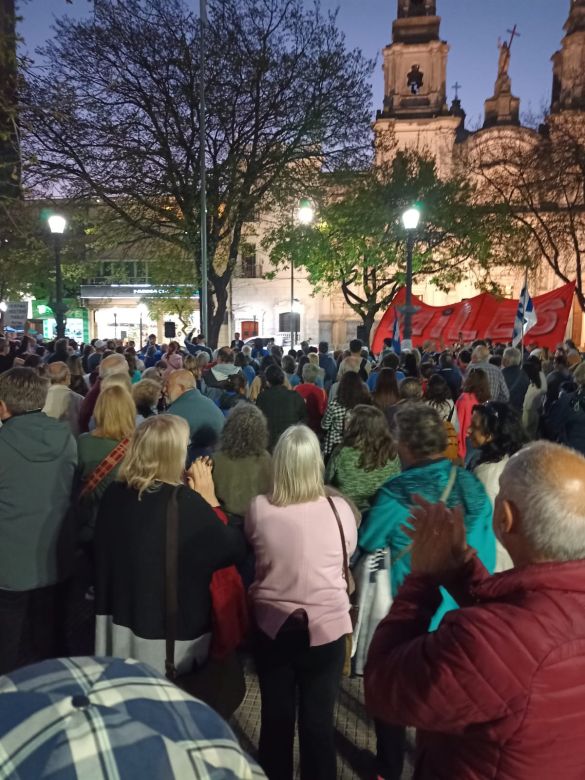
(216,379)
(38,456)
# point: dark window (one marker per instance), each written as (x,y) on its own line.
(284,322)
(250,268)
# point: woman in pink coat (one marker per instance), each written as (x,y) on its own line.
(301,607)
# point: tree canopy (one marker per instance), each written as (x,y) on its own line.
(540,180)
(114,113)
(358,240)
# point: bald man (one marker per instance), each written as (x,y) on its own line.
(204,417)
(62,403)
(497,690)
(110,365)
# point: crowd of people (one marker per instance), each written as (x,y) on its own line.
(197,504)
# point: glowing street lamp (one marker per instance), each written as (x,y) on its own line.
(306,212)
(410,221)
(305,216)
(57,225)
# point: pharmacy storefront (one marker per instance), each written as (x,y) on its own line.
(76,325)
(118,311)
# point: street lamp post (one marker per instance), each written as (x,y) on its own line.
(57,225)
(204,301)
(410,220)
(305,216)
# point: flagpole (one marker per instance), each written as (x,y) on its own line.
(523,328)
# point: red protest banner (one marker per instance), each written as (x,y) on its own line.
(482,317)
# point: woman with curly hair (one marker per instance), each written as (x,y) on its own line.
(242,466)
(366,458)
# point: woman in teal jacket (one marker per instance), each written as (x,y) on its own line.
(421,441)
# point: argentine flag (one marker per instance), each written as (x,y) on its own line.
(526,317)
(396,334)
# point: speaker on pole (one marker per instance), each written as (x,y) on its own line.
(170,330)
(362,334)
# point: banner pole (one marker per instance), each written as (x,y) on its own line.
(525,296)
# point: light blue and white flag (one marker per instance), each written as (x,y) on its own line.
(526,317)
(396,334)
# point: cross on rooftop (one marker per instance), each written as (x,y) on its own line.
(456,86)
(513,34)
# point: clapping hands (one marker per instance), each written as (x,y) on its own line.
(439,546)
(200,478)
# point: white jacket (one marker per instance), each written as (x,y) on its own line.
(64,404)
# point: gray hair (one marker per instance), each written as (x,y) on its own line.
(245,432)
(421,429)
(23,390)
(146,391)
(411,389)
(512,357)
(480,354)
(59,373)
(113,364)
(153,374)
(553,519)
(310,373)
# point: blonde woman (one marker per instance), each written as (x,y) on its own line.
(99,452)
(299,598)
(130,546)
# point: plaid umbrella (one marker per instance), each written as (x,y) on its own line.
(98,718)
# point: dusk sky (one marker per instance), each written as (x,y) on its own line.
(471,27)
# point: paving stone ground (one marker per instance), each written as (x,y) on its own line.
(356,740)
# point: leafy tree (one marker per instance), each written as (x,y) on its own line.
(358,242)
(27,253)
(540,180)
(9,151)
(114,114)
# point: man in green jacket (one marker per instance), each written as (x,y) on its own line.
(204,417)
(38,456)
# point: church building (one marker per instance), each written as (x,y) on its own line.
(417,114)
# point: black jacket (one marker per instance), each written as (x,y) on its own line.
(130,544)
(517,381)
(565,421)
(282,408)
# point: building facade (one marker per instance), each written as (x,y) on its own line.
(416,114)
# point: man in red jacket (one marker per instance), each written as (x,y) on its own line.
(498,691)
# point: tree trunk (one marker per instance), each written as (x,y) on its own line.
(367,324)
(216,317)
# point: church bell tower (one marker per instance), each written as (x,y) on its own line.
(415,109)
(415,64)
(569,64)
